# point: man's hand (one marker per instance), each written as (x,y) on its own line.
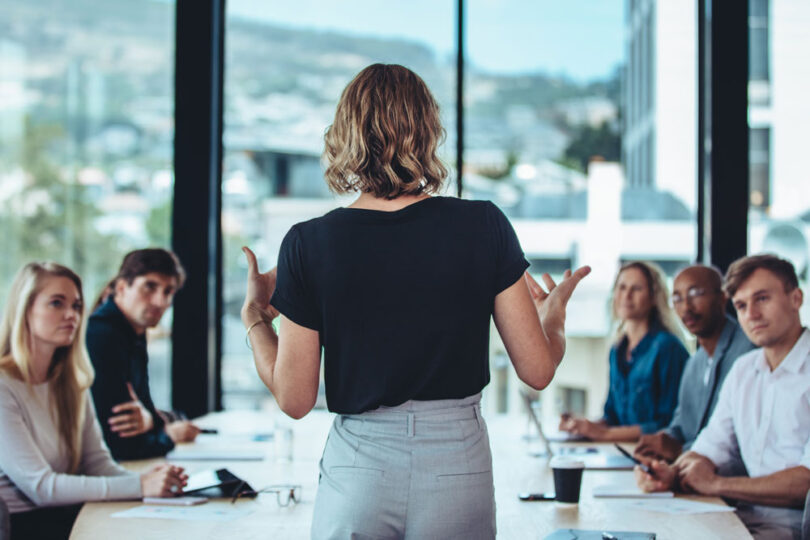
(582,426)
(698,475)
(182,431)
(658,446)
(665,479)
(131,418)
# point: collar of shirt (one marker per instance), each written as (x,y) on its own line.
(795,359)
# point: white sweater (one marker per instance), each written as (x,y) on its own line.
(33,465)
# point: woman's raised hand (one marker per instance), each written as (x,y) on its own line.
(551,305)
(260,287)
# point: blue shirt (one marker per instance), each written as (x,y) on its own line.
(644,391)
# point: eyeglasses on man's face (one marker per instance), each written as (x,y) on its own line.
(692,293)
(285,494)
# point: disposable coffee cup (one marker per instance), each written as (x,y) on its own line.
(567,478)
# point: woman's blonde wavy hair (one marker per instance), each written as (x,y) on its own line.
(660,312)
(70,373)
(385,135)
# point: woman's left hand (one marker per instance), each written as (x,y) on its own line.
(260,287)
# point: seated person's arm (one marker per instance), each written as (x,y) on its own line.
(531,323)
(114,401)
(603,430)
(784,488)
(22,461)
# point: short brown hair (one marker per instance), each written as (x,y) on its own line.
(741,269)
(385,135)
(141,262)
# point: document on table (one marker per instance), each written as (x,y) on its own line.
(629,492)
(206,512)
(220,447)
(676,506)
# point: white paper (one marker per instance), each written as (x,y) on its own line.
(206,512)
(628,491)
(676,506)
(216,452)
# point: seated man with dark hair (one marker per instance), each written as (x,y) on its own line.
(116,342)
(763,412)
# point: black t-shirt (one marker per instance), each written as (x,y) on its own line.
(402,300)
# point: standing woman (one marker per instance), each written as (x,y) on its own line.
(646,360)
(52,454)
(398,288)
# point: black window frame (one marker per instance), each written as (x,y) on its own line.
(722,185)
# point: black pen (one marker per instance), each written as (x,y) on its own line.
(627,454)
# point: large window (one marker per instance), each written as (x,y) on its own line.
(286,65)
(778,115)
(86,129)
(581,125)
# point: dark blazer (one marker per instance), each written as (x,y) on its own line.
(119,356)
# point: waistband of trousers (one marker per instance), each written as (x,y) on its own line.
(410,412)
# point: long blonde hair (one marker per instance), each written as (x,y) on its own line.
(70,373)
(660,312)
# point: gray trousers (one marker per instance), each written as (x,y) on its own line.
(420,470)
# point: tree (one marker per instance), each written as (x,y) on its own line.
(589,142)
(51,216)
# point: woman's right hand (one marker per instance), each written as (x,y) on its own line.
(163,481)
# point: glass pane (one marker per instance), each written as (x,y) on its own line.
(581,122)
(779,211)
(86,131)
(286,65)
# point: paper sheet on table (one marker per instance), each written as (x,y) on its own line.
(628,491)
(218,447)
(676,506)
(206,512)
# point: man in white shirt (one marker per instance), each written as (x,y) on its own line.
(763,412)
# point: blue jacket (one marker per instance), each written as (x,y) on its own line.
(644,391)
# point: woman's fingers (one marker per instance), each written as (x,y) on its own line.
(534,288)
(549,282)
(253,265)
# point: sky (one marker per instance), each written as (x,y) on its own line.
(579,38)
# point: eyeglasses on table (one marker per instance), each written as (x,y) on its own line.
(285,493)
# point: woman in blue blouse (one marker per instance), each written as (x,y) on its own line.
(646,361)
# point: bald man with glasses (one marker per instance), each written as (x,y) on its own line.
(699,301)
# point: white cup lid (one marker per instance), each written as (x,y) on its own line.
(566,462)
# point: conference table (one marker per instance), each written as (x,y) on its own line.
(515,471)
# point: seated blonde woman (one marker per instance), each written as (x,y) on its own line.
(52,457)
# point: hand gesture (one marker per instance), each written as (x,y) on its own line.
(182,431)
(260,289)
(551,305)
(163,481)
(131,418)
